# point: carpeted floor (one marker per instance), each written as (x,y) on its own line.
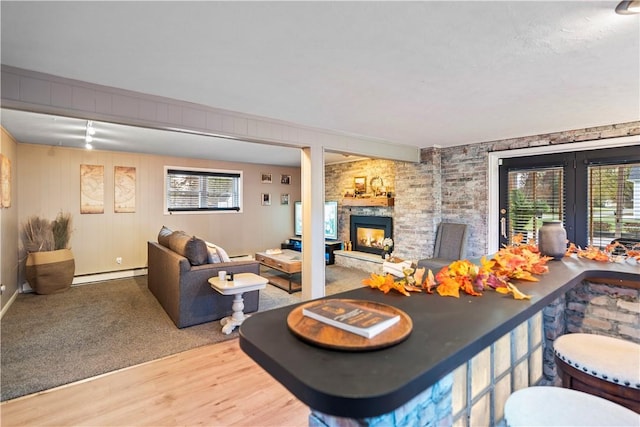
(51,340)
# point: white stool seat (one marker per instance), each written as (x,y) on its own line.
(556,406)
(611,359)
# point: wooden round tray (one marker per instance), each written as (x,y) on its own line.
(328,336)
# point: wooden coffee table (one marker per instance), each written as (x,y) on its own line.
(288,262)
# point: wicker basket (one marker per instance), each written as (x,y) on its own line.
(51,271)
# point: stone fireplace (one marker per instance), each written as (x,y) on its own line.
(368,232)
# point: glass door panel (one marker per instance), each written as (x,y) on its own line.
(613,203)
(534,196)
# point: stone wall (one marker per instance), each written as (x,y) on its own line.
(339,177)
(591,308)
(604,309)
(449,184)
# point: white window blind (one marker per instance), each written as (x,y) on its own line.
(535,195)
(190,190)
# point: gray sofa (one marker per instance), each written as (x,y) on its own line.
(183,289)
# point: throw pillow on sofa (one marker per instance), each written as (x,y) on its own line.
(214,258)
(190,247)
(163,236)
(216,253)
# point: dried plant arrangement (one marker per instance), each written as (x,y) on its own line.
(61,228)
(41,235)
(37,235)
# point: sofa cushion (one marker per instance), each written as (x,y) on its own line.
(163,236)
(190,247)
(216,253)
(213,254)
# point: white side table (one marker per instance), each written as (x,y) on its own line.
(242,282)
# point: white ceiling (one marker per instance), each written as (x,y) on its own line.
(418,73)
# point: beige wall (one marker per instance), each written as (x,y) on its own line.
(9,227)
(49,181)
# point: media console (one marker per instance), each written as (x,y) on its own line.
(295,243)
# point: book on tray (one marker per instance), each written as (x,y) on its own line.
(352,317)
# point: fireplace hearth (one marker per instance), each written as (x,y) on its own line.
(368,232)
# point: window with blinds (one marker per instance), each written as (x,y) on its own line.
(197,190)
(535,195)
(613,203)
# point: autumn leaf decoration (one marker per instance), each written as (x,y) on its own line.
(516,261)
(614,252)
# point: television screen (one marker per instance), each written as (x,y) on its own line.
(330,220)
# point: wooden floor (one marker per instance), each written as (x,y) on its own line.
(214,385)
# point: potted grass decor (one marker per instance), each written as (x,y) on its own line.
(50,265)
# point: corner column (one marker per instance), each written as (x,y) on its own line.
(313,263)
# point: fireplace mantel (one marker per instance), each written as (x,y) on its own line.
(368,201)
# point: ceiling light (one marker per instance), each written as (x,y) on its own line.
(88,136)
(628,7)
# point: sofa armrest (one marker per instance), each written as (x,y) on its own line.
(165,268)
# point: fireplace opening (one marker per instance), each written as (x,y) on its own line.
(368,232)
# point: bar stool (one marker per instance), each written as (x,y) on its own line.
(557,406)
(603,366)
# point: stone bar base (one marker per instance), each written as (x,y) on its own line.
(361,260)
(474,394)
(482,385)
(432,407)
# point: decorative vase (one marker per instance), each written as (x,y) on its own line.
(50,272)
(552,239)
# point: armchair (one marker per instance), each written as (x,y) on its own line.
(451,245)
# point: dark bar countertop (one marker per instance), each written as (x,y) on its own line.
(446,332)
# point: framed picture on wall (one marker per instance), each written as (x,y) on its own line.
(285,179)
(91,189)
(266,199)
(5,176)
(124,189)
(266,178)
(284,199)
(360,184)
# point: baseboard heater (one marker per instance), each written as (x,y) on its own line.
(108,275)
(84,279)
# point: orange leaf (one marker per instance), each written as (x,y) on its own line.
(429,282)
(412,288)
(468,288)
(516,292)
(449,287)
(524,275)
(375,281)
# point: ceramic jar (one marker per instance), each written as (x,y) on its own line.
(552,239)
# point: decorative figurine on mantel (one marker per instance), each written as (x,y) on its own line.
(376,184)
(387,246)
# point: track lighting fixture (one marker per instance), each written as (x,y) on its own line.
(628,7)
(88,137)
